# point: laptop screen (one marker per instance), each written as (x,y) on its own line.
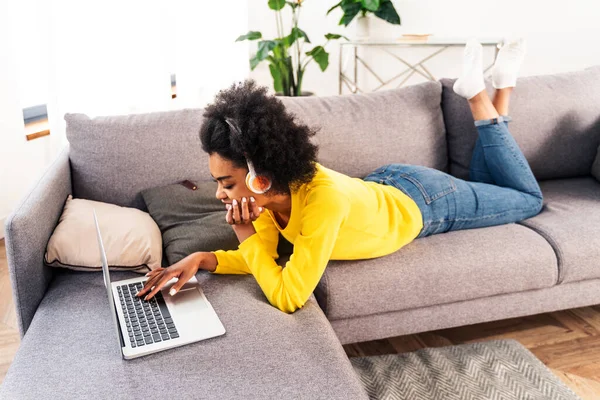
(107,283)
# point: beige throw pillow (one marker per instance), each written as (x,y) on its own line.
(131,238)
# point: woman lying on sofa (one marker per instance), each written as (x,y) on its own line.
(270,181)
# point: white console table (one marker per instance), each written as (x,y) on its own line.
(350,52)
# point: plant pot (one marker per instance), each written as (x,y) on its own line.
(362,27)
(303,94)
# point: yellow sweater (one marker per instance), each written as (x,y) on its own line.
(333,217)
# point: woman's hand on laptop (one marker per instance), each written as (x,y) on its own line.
(184,270)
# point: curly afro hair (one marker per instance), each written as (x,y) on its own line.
(277,145)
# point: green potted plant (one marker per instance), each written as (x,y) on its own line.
(383,9)
(287,61)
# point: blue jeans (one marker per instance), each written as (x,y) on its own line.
(502,188)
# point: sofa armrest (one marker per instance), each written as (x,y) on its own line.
(27,231)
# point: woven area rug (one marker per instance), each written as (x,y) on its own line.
(496,369)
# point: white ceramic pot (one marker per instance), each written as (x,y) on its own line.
(362,27)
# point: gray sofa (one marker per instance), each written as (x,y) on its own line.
(542,264)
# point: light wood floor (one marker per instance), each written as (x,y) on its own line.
(568,342)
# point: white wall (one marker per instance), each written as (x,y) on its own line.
(21,162)
(561,36)
(21,165)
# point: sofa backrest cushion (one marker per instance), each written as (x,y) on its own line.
(555,121)
(114,158)
(361,132)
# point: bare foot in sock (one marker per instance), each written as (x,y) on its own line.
(471,81)
(508,62)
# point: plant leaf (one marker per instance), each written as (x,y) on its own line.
(300,74)
(252,35)
(371,5)
(290,87)
(276,4)
(254,61)
(331,36)
(333,8)
(264,47)
(303,34)
(279,49)
(285,78)
(294,35)
(319,54)
(388,13)
(276,74)
(350,9)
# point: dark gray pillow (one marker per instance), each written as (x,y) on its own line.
(596,166)
(193,220)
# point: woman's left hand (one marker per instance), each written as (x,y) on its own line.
(243,212)
(240,217)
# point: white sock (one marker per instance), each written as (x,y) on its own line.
(471,81)
(508,62)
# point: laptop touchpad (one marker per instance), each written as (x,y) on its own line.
(186,301)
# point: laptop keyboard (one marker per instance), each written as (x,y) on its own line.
(147,321)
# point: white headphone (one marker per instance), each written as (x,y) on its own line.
(256,184)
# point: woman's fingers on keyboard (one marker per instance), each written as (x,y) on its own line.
(164,279)
(154,271)
(148,284)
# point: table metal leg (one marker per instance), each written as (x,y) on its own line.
(355,68)
(340,71)
(411,70)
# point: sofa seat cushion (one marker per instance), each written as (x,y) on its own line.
(70,350)
(442,268)
(570,222)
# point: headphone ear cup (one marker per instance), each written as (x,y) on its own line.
(249,181)
(257,184)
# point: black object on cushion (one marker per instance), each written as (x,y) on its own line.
(193,220)
(596,166)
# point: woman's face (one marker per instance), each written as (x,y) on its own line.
(231,181)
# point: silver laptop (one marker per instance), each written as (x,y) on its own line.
(161,323)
